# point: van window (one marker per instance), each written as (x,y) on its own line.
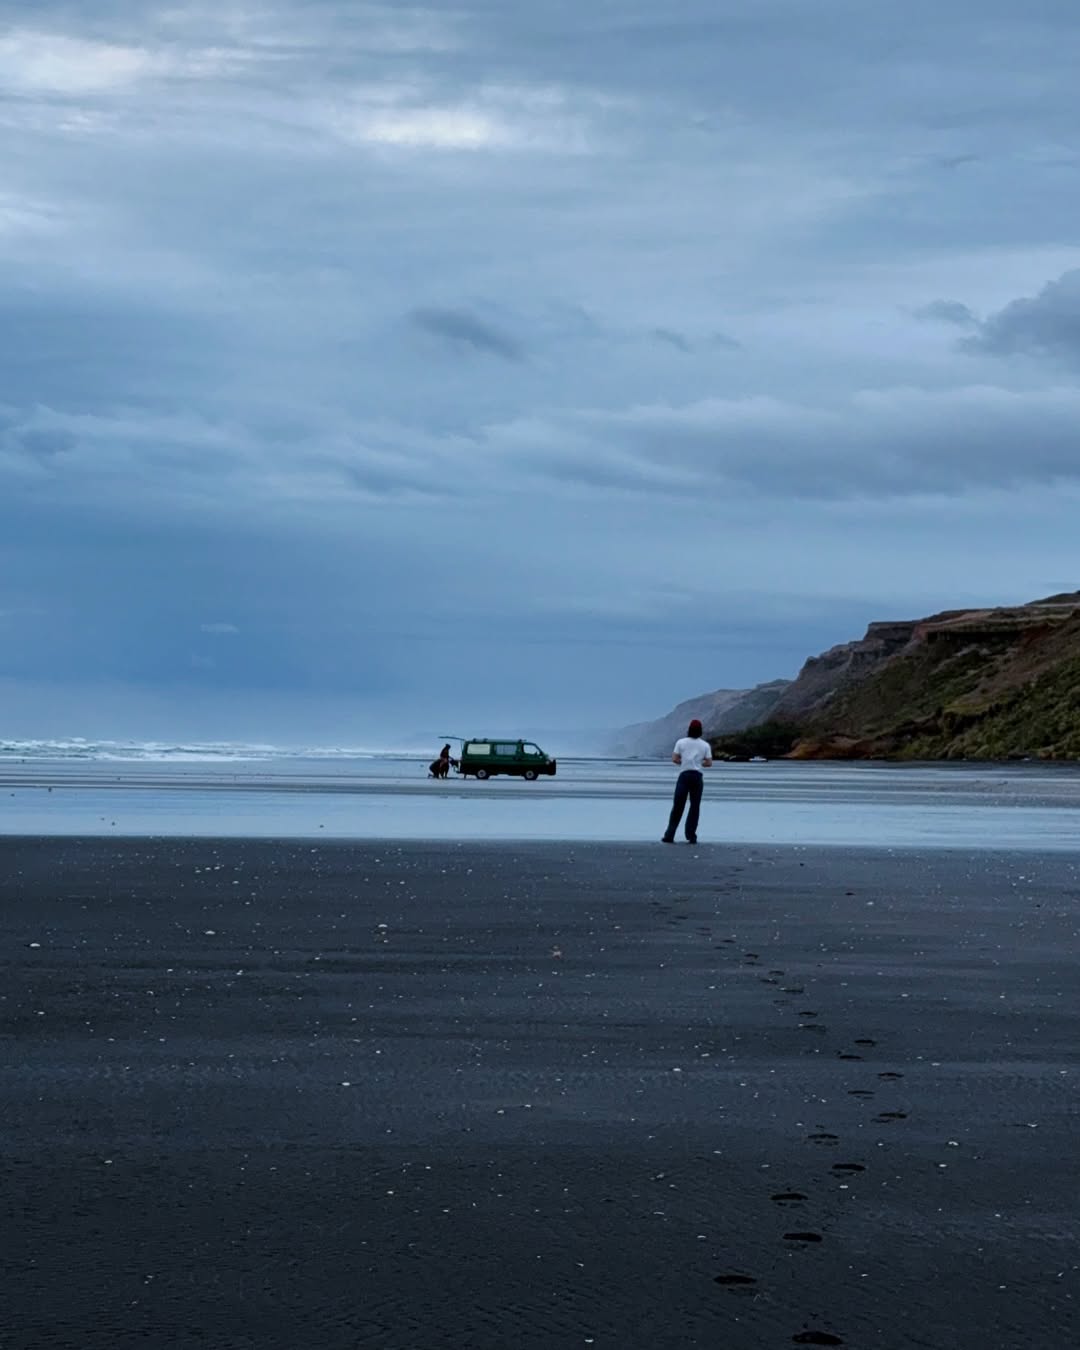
(478,748)
(506,747)
(531,749)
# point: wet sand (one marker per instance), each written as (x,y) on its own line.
(409,1096)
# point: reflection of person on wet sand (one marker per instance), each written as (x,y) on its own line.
(440,768)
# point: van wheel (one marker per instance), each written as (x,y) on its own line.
(481,773)
(529,775)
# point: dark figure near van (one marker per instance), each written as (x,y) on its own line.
(440,768)
(692,754)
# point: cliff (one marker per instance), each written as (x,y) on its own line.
(721,712)
(991,683)
(823,677)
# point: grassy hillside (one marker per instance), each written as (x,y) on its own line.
(998,683)
(992,685)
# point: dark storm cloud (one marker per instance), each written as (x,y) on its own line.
(463,327)
(1046,324)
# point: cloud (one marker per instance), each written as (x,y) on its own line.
(1046,324)
(295,294)
(189,466)
(721,452)
(20,216)
(876,445)
(45,444)
(417,114)
(47,65)
(682,343)
(439,128)
(283,28)
(222,628)
(463,327)
(673,339)
(33,61)
(725,341)
(946,311)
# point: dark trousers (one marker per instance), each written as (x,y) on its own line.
(689,783)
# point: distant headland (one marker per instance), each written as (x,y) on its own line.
(963,684)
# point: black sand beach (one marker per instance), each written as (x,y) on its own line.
(281,1096)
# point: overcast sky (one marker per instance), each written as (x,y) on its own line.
(372,370)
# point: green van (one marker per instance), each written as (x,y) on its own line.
(486,757)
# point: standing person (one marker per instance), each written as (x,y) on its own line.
(692,754)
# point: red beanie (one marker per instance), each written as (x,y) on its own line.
(694,729)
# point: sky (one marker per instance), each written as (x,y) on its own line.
(373,372)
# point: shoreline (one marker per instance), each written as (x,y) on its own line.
(1022,807)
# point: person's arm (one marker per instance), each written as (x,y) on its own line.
(676,756)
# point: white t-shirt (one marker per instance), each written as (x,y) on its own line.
(694,752)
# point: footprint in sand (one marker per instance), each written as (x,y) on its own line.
(807,1012)
(788,1197)
(847,1169)
(822,1137)
(890,1115)
(865,1040)
(735,1281)
(776,972)
(802,1237)
(795,989)
(891,1077)
(859,1092)
(859,1057)
(816,1338)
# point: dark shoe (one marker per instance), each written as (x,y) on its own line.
(666,840)
(691,841)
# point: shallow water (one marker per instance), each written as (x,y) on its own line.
(1026,806)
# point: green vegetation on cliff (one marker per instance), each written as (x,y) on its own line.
(988,684)
(769,740)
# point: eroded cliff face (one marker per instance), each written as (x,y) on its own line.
(822,677)
(976,684)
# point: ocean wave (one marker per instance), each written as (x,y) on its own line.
(198,752)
